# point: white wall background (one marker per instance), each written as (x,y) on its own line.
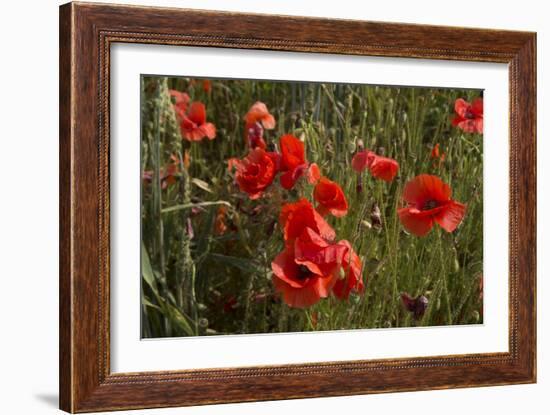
(29,189)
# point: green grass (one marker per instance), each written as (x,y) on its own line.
(203,283)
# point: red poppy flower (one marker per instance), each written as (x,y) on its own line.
(256,172)
(429,201)
(294,163)
(194,126)
(353,279)
(295,217)
(330,198)
(383,168)
(306,272)
(469,117)
(181,102)
(259,113)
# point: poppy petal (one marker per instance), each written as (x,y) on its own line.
(425,187)
(451,216)
(285,269)
(456,121)
(297,297)
(292,152)
(320,257)
(268,121)
(384,168)
(330,198)
(414,222)
(259,113)
(179,97)
(461,107)
(295,217)
(322,286)
(288,180)
(478,125)
(197,113)
(209,130)
(353,280)
(313,173)
(359,161)
(477,107)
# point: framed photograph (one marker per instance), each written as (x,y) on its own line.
(258,207)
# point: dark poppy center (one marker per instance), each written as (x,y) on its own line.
(469,115)
(303,272)
(430,204)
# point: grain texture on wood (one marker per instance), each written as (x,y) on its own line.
(65,246)
(86,33)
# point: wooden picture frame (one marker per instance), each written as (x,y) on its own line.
(86,33)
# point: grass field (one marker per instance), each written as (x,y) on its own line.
(208,248)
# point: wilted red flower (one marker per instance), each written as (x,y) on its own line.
(383,168)
(294,163)
(469,117)
(256,119)
(168,174)
(330,198)
(259,113)
(181,102)
(352,279)
(256,172)
(429,200)
(219,224)
(295,217)
(417,305)
(193,124)
(306,272)
(255,135)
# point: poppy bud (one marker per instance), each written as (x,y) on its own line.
(366,224)
(417,305)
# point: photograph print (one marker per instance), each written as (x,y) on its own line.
(277,206)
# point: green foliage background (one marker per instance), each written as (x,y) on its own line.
(197,282)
